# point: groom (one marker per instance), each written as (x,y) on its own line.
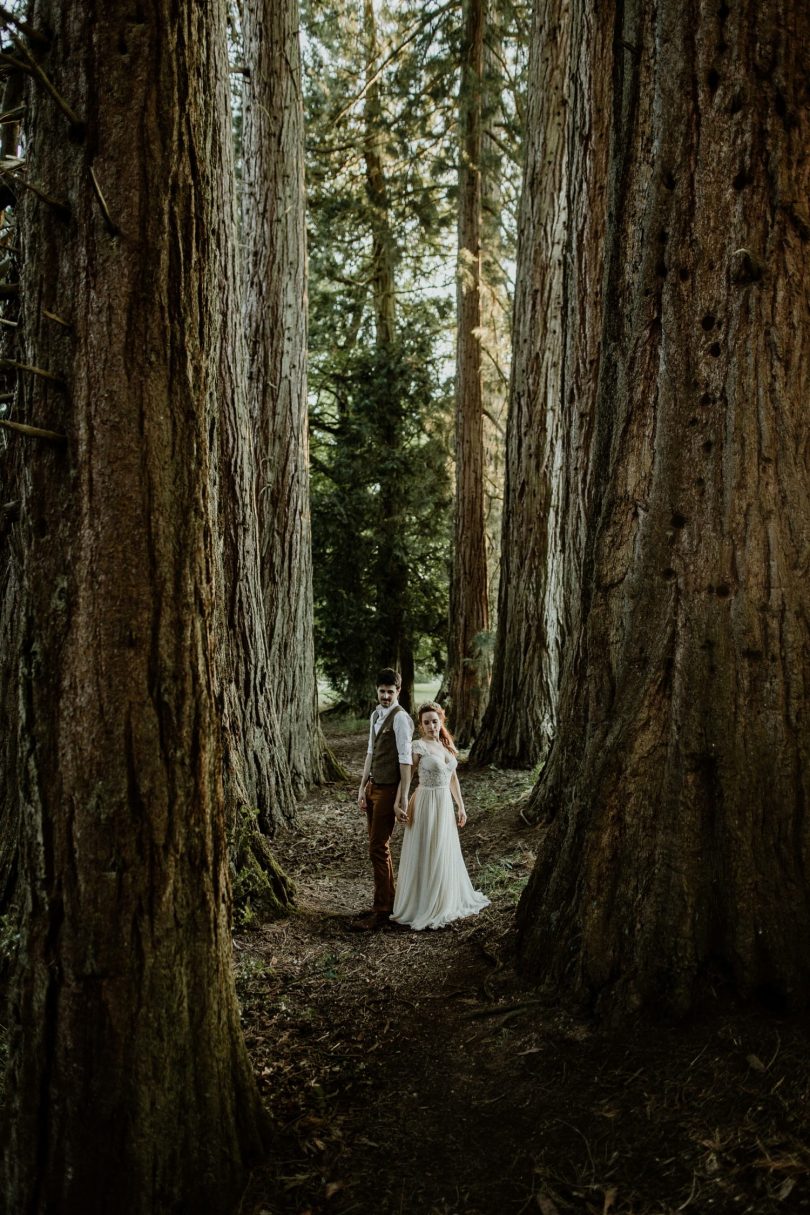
(387,768)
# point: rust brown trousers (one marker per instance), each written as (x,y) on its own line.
(381,819)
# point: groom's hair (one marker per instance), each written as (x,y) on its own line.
(387,678)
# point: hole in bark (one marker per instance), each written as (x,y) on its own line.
(708,322)
(700,483)
(723,12)
(707,446)
(683,274)
(714,350)
(678,520)
(693,421)
(742,180)
(736,104)
(663,236)
(723,590)
(713,80)
(669,179)
(706,398)
(668,574)
(661,269)
(722,47)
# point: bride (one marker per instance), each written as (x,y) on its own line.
(433,887)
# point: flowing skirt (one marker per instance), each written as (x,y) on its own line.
(433,886)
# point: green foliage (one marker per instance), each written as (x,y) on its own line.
(261,888)
(381,513)
(381,410)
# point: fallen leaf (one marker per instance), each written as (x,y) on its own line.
(755,1062)
(334,1187)
(785,1189)
(610,1198)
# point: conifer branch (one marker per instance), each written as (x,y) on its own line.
(35,432)
(30,65)
(12,115)
(8,19)
(59,320)
(61,207)
(112,228)
(13,365)
(389,58)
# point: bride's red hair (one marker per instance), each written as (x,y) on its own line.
(445,737)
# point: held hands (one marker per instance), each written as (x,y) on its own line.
(400,813)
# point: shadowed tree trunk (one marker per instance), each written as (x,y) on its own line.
(532,608)
(677,783)
(132,1088)
(256,735)
(274,232)
(467,668)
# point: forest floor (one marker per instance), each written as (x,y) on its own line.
(418,1074)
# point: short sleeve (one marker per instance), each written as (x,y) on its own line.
(418,747)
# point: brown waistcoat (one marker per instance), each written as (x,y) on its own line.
(384,754)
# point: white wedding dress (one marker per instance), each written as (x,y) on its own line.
(433,886)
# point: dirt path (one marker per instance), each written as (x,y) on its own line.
(415,1073)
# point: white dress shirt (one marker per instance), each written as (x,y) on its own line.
(403,731)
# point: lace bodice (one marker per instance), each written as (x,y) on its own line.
(435,770)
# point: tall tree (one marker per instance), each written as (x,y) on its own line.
(468,674)
(274,236)
(519,719)
(123,987)
(678,780)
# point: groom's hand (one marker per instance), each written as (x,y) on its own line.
(361,799)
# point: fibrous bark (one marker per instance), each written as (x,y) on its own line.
(132,1088)
(677,783)
(274,235)
(543,416)
(467,676)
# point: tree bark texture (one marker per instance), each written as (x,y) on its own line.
(131,1083)
(543,422)
(274,233)
(468,667)
(677,785)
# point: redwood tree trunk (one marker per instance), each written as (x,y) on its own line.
(678,779)
(543,419)
(132,1088)
(468,670)
(274,233)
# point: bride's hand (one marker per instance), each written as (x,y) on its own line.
(461,816)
